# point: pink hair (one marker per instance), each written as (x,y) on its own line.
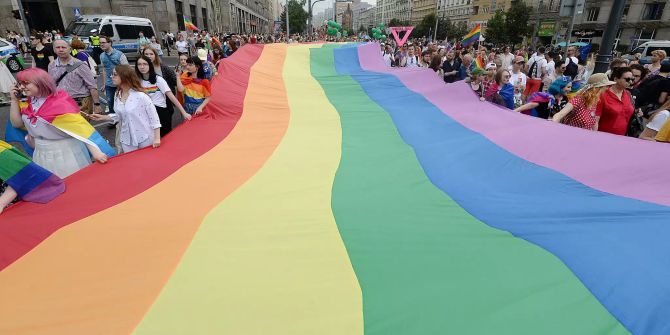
(46,86)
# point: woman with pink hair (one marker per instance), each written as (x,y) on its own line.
(64,141)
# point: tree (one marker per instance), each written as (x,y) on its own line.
(496,29)
(425,27)
(516,22)
(297,17)
(397,23)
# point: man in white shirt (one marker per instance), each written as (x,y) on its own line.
(571,63)
(518,79)
(505,59)
(537,69)
(551,71)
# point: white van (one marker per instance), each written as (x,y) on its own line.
(647,47)
(124,30)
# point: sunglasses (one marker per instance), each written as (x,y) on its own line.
(628,79)
(23,83)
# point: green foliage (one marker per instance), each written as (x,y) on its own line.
(297,17)
(516,22)
(397,23)
(509,27)
(425,27)
(496,29)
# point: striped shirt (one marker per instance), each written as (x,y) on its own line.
(77,83)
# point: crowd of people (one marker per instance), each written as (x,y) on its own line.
(53,103)
(629,99)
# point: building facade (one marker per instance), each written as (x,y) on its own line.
(358,8)
(642,21)
(421,8)
(242,16)
(339,7)
(367,18)
(483,10)
(456,10)
(549,26)
(348,20)
(393,9)
(57,14)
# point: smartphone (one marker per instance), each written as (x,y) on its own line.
(19,93)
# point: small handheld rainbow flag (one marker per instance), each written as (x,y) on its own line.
(188,24)
(472,36)
(32,182)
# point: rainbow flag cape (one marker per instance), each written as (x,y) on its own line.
(321,192)
(30,181)
(480,62)
(472,36)
(63,113)
(188,24)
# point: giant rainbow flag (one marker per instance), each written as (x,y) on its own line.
(323,193)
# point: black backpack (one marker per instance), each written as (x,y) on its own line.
(571,69)
(533,68)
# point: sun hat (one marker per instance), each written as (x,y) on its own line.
(202,54)
(491,66)
(599,80)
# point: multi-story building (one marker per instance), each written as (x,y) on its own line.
(456,10)
(549,26)
(367,18)
(483,10)
(244,16)
(57,14)
(642,20)
(358,8)
(339,7)
(348,20)
(421,8)
(249,16)
(393,9)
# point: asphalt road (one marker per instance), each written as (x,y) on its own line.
(103,128)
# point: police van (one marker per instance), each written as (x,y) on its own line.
(646,48)
(123,30)
(11,56)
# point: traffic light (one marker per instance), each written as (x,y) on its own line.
(17,14)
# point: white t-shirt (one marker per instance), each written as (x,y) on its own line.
(181,46)
(156,91)
(541,63)
(387,59)
(518,79)
(551,68)
(658,121)
(574,60)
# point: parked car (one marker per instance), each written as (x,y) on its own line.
(11,56)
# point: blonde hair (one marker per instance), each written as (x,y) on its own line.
(660,53)
(590,95)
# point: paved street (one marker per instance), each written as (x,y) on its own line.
(103,128)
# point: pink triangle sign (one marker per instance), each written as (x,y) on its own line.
(396,30)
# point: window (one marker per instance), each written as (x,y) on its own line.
(204,19)
(126,32)
(179,9)
(592,14)
(107,30)
(131,32)
(194,15)
(626,9)
(653,11)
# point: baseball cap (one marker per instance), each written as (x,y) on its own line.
(202,54)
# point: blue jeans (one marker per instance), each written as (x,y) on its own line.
(109,92)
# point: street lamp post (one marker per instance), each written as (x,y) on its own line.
(288,34)
(310,6)
(605,53)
